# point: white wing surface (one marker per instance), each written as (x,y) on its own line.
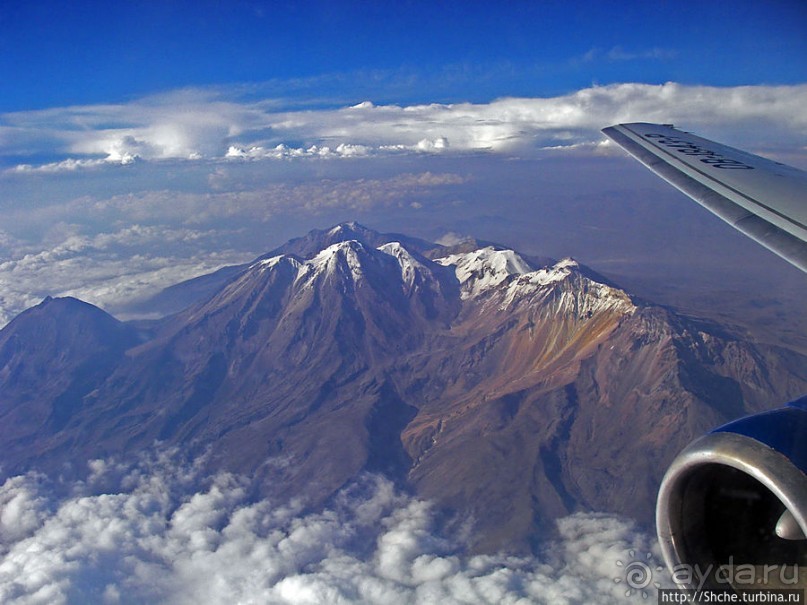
(763,199)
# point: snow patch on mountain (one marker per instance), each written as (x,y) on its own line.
(547,276)
(411,267)
(346,255)
(485,269)
(269,263)
(574,293)
(509,279)
(348,258)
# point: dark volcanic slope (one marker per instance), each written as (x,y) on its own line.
(507,394)
(51,357)
(288,360)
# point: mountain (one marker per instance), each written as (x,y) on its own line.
(51,357)
(507,393)
(180,296)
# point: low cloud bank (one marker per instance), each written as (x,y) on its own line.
(112,251)
(160,532)
(217,125)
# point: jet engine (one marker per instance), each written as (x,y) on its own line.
(732,508)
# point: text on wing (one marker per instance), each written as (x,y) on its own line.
(712,158)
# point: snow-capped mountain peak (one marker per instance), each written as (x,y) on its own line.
(550,275)
(411,266)
(485,269)
(584,296)
(319,358)
(504,278)
(269,263)
(348,255)
(351,228)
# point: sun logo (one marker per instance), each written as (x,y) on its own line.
(638,574)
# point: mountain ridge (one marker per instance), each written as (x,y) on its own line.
(507,393)
(179,296)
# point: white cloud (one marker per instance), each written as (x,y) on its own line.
(195,194)
(207,124)
(451,239)
(162,532)
(108,268)
(22,511)
(69,164)
(617,53)
(114,250)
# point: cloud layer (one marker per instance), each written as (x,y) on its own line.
(114,202)
(161,532)
(113,250)
(210,124)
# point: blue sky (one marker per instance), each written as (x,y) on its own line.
(67,53)
(146,142)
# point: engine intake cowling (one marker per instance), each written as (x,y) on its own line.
(732,508)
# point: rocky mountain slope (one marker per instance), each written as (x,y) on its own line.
(509,394)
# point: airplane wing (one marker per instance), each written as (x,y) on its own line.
(763,199)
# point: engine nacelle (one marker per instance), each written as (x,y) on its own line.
(732,508)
